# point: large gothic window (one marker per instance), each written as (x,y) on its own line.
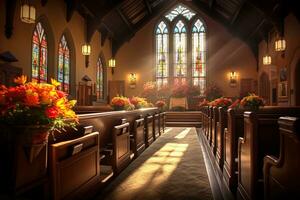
(39,54)
(162,58)
(63,72)
(100,79)
(198,55)
(180,52)
(186,49)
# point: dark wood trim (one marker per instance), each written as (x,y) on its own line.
(237,12)
(10,8)
(148,6)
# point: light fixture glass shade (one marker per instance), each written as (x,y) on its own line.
(267,60)
(86,49)
(112,63)
(280,44)
(28,14)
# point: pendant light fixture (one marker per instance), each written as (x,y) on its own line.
(280,44)
(28,12)
(86,48)
(267,60)
(112,61)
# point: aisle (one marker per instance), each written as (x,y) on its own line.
(171,168)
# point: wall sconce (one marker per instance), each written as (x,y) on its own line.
(112,64)
(233,79)
(267,60)
(86,49)
(280,44)
(28,13)
(132,80)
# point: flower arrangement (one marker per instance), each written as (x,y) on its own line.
(213,92)
(161,104)
(139,102)
(193,91)
(32,103)
(164,91)
(235,104)
(121,103)
(252,101)
(180,90)
(221,102)
(204,102)
(150,91)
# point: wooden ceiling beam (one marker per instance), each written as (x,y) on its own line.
(237,12)
(124,19)
(148,6)
(256,29)
(211,4)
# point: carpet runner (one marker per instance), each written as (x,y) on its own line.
(171,168)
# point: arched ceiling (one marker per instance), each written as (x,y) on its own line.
(119,20)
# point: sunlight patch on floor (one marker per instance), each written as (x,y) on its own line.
(168,130)
(183,133)
(158,167)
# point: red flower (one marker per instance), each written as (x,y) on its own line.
(51,112)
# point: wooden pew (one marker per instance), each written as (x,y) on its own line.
(235,129)
(137,141)
(261,138)
(156,129)
(149,133)
(214,121)
(92,109)
(206,120)
(221,125)
(210,121)
(121,147)
(162,122)
(74,166)
(281,174)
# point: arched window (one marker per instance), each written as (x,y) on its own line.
(186,49)
(198,55)
(63,72)
(180,52)
(100,79)
(39,54)
(162,47)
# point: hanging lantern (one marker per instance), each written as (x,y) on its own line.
(112,63)
(86,49)
(280,44)
(267,60)
(28,13)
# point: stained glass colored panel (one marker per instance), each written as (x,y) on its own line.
(162,63)
(180,48)
(99,79)
(63,72)
(39,54)
(199,55)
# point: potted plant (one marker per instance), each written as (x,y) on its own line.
(29,111)
(252,102)
(221,102)
(161,104)
(139,102)
(121,103)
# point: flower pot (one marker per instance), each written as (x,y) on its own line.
(25,158)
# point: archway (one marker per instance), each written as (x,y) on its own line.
(297,84)
(264,87)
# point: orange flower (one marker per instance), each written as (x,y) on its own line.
(21,80)
(32,99)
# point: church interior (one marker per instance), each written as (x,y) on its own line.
(149,99)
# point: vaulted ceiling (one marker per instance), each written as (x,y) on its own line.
(119,20)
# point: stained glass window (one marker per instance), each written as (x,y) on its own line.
(39,54)
(199,55)
(180,52)
(99,79)
(162,64)
(63,72)
(180,10)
